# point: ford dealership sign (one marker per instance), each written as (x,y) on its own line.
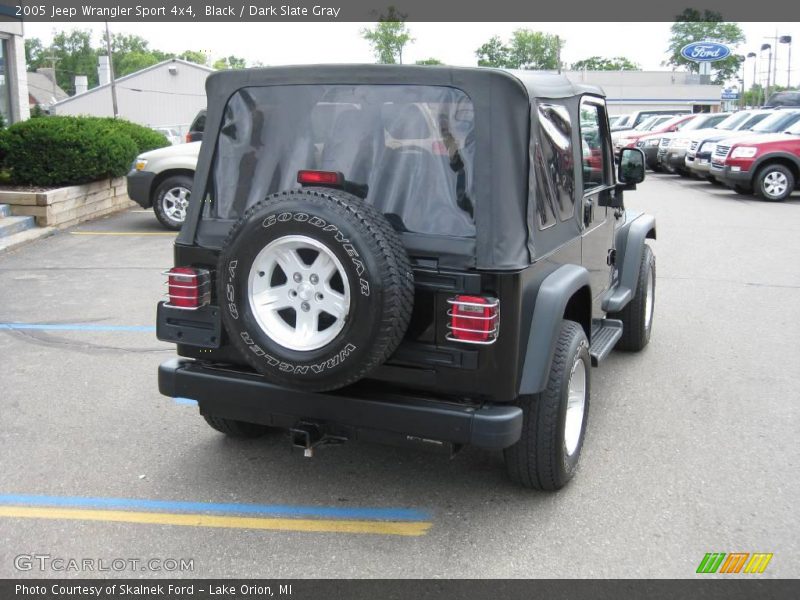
(705,51)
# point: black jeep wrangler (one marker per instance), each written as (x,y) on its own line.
(417,255)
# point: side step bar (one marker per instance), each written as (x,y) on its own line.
(605,334)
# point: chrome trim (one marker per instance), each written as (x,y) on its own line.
(186,287)
(496,315)
(492,332)
(493,303)
(449,337)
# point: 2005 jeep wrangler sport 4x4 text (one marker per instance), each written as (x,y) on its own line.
(417,255)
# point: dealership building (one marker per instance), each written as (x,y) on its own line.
(629,91)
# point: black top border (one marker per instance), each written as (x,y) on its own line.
(369,10)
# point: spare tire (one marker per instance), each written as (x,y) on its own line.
(315,288)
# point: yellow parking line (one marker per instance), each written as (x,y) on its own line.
(123,233)
(228,522)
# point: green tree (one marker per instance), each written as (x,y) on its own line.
(230,62)
(195,56)
(132,53)
(754,96)
(388,38)
(526,50)
(73,55)
(693,26)
(534,50)
(493,53)
(429,61)
(598,63)
(34,53)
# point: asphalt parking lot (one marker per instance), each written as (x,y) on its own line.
(691,447)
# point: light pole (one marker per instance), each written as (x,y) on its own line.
(787,39)
(769,69)
(755,63)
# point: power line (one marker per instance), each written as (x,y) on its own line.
(160,92)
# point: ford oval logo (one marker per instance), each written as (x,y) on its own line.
(705,51)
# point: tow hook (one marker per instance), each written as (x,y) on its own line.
(310,435)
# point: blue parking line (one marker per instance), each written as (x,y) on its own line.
(76,327)
(275,510)
(185,401)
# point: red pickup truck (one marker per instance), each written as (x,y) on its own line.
(767,165)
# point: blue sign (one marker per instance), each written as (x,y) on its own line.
(730,95)
(705,51)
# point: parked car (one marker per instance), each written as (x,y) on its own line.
(162,179)
(654,145)
(778,121)
(696,148)
(619,122)
(197,128)
(170,133)
(785,98)
(401,294)
(640,116)
(657,123)
(767,165)
(614,119)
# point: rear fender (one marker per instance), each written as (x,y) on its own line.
(552,299)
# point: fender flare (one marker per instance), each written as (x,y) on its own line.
(551,301)
(630,242)
(780,156)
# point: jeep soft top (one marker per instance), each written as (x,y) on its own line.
(425,255)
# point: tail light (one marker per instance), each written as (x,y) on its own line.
(473,319)
(333,178)
(189,288)
(189,138)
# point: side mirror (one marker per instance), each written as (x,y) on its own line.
(631,168)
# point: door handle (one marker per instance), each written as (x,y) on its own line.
(588,211)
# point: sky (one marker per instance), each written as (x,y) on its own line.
(452,43)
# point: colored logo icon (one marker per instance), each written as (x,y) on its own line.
(735,562)
(705,51)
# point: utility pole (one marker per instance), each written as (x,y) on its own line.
(53,60)
(111,72)
(558,46)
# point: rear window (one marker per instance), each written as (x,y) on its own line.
(412,146)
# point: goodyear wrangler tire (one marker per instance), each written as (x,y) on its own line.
(315,288)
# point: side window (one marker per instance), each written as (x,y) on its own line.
(592,147)
(553,165)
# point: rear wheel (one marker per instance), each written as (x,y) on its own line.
(554,421)
(637,316)
(774,183)
(172,201)
(237,429)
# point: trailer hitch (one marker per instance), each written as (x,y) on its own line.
(308,436)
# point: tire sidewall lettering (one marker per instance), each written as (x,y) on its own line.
(230,291)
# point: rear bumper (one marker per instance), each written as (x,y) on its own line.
(140,184)
(362,413)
